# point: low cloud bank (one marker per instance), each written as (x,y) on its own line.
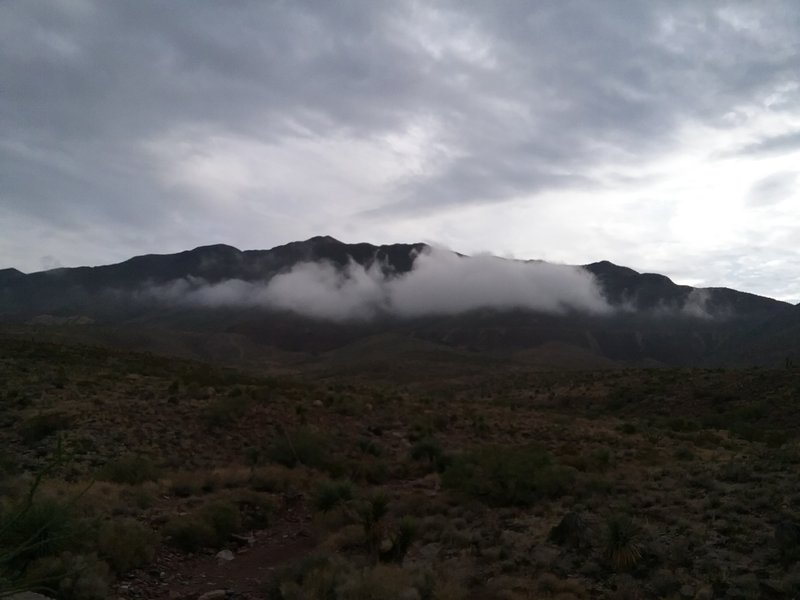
(440,283)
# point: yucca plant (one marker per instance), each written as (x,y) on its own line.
(622,550)
(31,528)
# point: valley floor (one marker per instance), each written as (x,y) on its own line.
(166,478)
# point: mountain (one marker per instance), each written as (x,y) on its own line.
(648,318)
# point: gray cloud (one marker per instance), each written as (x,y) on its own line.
(130,127)
(441,282)
(779,144)
(773,189)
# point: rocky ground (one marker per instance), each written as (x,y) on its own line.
(173,479)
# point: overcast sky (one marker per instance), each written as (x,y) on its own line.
(664,136)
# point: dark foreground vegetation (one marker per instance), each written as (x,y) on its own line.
(127,475)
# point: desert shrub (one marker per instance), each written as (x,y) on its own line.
(430,451)
(622,547)
(130,470)
(211,526)
(189,533)
(31,530)
(223,517)
(255,509)
(372,471)
(269,479)
(505,475)
(368,446)
(551,586)
(330,494)
(184,485)
(682,425)
(225,410)
(316,576)
(572,531)
(735,472)
(126,544)
(683,453)
(301,446)
(400,537)
(70,576)
(38,427)
(601,459)
(787,540)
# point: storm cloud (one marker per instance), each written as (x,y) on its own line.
(568,131)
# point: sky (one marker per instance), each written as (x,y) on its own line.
(660,135)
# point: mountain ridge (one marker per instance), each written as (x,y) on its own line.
(653,318)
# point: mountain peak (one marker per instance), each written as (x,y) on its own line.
(323,239)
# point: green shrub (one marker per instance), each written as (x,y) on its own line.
(190,533)
(211,526)
(224,518)
(126,544)
(131,470)
(185,485)
(255,509)
(70,576)
(508,475)
(225,410)
(330,494)
(29,531)
(429,450)
(300,447)
(43,425)
(400,537)
(368,446)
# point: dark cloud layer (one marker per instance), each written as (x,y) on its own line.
(141,126)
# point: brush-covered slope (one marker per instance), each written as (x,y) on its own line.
(636,318)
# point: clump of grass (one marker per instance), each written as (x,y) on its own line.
(331,494)
(301,446)
(126,544)
(226,410)
(70,576)
(130,470)
(209,527)
(43,425)
(505,475)
(429,451)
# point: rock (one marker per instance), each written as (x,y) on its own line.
(408,594)
(318,403)
(28,596)
(243,540)
(214,595)
(225,556)
(687,591)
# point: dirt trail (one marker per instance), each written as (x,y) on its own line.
(177,576)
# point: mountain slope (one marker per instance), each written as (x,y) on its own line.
(651,320)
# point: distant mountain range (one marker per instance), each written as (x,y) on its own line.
(649,320)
